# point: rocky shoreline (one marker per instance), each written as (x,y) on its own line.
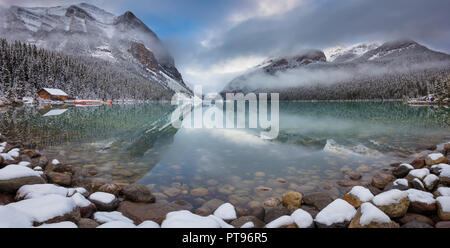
(39,192)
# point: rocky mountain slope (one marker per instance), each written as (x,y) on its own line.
(84,29)
(393,70)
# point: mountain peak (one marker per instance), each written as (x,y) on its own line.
(76,11)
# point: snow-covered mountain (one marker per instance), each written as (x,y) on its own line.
(84,29)
(392,70)
(347,53)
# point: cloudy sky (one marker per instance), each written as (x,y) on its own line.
(213,41)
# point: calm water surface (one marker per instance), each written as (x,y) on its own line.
(133,143)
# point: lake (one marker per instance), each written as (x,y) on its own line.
(133,143)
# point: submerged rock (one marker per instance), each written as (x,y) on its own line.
(292,199)
(137,193)
(319,200)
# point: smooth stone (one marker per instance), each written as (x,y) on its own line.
(209,207)
(114,189)
(415,217)
(443,224)
(418,163)
(63,179)
(272,202)
(12,185)
(380,180)
(319,200)
(416,224)
(199,191)
(6,198)
(138,193)
(292,199)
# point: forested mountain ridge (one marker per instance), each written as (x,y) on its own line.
(393,70)
(84,29)
(25,69)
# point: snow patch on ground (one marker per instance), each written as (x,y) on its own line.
(13,218)
(14,171)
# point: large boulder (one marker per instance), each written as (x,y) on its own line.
(12,177)
(338,213)
(369,216)
(140,212)
(421,201)
(394,202)
(138,193)
(87,223)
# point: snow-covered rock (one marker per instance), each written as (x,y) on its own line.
(302,218)
(437,168)
(369,216)
(12,177)
(105,217)
(358,195)
(435,158)
(394,202)
(226,211)
(430,181)
(64,224)
(338,213)
(418,173)
(104,201)
(249,224)
(45,208)
(443,203)
(421,201)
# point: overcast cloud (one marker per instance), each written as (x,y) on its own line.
(213,41)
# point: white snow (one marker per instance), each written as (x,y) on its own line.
(226,211)
(15,152)
(363,194)
(415,195)
(45,208)
(435,156)
(430,179)
(80,200)
(336,212)
(117,224)
(419,173)
(13,218)
(55,92)
(407,166)
(55,162)
(389,197)
(302,218)
(445,172)
(148,224)
(39,190)
(14,171)
(186,219)
(105,217)
(37,168)
(372,214)
(400,181)
(444,201)
(102,197)
(281,221)
(64,224)
(26,164)
(444,191)
(221,222)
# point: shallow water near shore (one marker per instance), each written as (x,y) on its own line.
(134,144)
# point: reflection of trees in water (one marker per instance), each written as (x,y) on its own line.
(385,112)
(124,122)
